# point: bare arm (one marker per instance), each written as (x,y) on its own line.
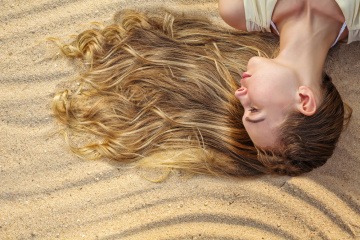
(233,13)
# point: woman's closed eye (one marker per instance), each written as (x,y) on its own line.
(253,109)
(257,120)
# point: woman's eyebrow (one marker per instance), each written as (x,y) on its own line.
(254,121)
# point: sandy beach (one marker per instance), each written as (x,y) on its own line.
(46,192)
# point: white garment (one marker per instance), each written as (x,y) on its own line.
(258,14)
(351,11)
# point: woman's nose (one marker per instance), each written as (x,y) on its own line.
(241,92)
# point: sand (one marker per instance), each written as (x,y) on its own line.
(48,193)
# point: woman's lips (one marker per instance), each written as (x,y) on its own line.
(245,75)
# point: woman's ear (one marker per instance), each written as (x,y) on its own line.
(307,101)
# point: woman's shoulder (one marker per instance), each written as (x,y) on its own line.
(247,15)
(233,13)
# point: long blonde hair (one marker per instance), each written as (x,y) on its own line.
(162,84)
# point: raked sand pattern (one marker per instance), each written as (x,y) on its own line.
(48,193)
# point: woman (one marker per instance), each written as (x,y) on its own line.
(288,95)
(164,85)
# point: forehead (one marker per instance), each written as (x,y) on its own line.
(262,134)
(265,133)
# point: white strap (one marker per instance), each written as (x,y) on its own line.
(341,31)
(274,27)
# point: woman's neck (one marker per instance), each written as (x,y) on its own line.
(305,39)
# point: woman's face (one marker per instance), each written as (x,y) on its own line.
(268,93)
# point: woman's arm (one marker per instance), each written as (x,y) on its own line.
(233,13)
